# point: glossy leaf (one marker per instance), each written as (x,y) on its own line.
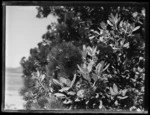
(136,28)
(87,77)
(115,88)
(99,68)
(91,37)
(67,102)
(64,89)
(90,52)
(122,41)
(123,92)
(71,93)
(95,50)
(77,100)
(90,65)
(100,105)
(95,77)
(121,24)
(111,18)
(103,25)
(114,19)
(65,81)
(34,77)
(60,95)
(73,81)
(84,52)
(111,91)
(116,102)
(126,45)
(42,77)
(120,97)
(84,47)
(38,73)
(80,93)
(106,67)
(83,69)
(57,82)
(109,23)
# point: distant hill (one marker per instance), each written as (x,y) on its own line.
(14,70)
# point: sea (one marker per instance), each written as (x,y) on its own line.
(13,85)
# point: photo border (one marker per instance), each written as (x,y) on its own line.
(43,3)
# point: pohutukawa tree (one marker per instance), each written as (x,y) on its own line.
(93,58)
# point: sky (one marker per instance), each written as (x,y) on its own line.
(23,32)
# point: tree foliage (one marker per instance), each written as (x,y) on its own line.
(93,58)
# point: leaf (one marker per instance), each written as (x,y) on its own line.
(84,47)
(99,68)
(86,77)
(65,81)
(126,45)
(90,51)
(112,18)
(101,31)
(120,97)
(117,18)
(109,23)
(139,110)
(77,100)
(116,102)
(104,78)
(134,14)
(64,89)
(91,37)
(136,28)
(94,50)
(98,52)
(60,95)
(106,67)
(67,102)
(71,93)
(80,68)
(42,77)
(100,105)
(123,92)
(34,77)
(115,88)
(80,93)
(83,69)
(38,73)
(121,23)
(95,32)
(84,53)
(57,82)
(74,79)
(111,91)
(103,25)
(95,77)
(122,41)
(116,43)
(90,65)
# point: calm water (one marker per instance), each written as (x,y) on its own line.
(13,84)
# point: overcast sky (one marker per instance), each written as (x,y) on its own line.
(23,32)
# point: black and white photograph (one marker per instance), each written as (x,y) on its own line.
(75,57)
